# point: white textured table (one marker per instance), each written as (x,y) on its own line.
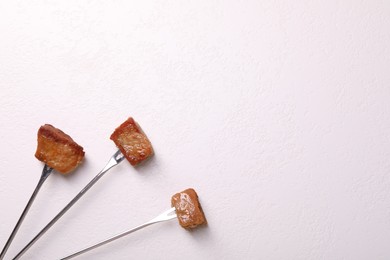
(276,112)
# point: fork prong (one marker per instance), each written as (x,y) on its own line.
(166,215)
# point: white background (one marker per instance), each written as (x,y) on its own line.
(276,112)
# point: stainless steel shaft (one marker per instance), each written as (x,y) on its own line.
(45,173)
(167,215)
(115,160)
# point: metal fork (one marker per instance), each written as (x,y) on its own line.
(115,160)
(45,173)
(165,216)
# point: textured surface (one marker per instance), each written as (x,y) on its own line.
(276,112)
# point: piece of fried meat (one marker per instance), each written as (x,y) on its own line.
(58,150)
(188,209)
(132,142)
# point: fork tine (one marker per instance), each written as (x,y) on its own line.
(166,215)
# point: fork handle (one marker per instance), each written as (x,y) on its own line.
(114,160)
(108,240)
(165,216)
(45,173)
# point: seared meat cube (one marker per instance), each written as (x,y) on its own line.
(188,209)
(58,150)
(132,142)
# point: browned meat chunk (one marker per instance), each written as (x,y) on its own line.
(132,142)
(58,150)
(188,209)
